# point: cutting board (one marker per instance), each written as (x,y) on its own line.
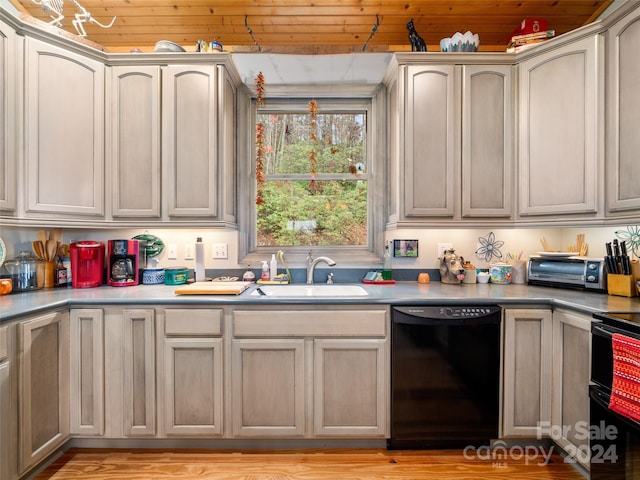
(213,288)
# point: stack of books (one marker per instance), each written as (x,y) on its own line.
(520,42)
(529,32)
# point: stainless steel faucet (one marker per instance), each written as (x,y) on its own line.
(311,265)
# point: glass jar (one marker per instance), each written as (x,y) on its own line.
(27,272)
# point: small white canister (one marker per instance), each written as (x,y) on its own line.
(500,273)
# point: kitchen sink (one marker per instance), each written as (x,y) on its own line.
(299,290)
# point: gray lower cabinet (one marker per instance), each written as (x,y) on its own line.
(192,375)
(43,386)
(268,388)
(87,372)
(623,104)
(526,365)
(570,384)
(7,440)
(130,372)
(290,369)
(350,387)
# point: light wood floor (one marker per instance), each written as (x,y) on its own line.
(298,465)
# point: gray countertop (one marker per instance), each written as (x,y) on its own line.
(20,304)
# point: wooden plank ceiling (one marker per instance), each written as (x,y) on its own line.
(315,26)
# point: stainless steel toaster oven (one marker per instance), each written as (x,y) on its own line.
(567,272)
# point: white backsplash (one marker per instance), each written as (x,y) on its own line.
(465,241)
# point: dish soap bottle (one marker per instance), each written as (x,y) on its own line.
(248,276)
(265,271)
(386,264)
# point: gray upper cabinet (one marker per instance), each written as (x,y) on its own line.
(431,137)
(8,95)
(623,104)
(172,145)
(64,132)
(134,145)
(559,144)
(189,140)
(450,142)
(487,141)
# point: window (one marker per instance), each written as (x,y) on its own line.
(315,189)
(320,179)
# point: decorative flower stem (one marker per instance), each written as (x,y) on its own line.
(259,142)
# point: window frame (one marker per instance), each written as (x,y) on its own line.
(370,99)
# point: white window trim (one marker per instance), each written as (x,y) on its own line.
(338,97)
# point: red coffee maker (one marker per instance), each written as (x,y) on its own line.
(87,263)
(123,263)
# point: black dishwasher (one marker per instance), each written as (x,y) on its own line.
(445,374)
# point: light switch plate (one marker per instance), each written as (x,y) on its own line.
(172,251)
(189,251)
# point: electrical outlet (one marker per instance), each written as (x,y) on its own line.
(189,251)
(219,250)
(442,247)
(172,251)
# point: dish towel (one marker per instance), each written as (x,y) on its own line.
(625,391)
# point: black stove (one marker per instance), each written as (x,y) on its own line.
(613,318)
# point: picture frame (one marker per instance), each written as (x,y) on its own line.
(405,248)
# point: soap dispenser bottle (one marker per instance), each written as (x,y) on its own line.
(273,267)
(265,271)
(386,264)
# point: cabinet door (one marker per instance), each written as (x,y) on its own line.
(526,372)
(189,139)
(268,378)
(227,147)
(43,386)
(623,104)
(559,144)
(570,376)
(193,386)
(64,134)
(134,146)
(431,139)
(9,119)
(138,372)
(359,368)
(7,460)
(87,372)
(487,141)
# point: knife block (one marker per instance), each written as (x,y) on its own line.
(621,285)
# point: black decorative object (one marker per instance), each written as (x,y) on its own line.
(417,42)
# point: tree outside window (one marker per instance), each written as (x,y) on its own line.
(316,176)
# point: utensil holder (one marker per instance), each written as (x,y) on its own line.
(49,274)
(621,285)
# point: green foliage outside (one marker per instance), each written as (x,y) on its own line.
(307,209)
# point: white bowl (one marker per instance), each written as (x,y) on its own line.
(167,46)
(483,277)
(460,42)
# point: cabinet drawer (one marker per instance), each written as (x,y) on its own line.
(3,343)
(193,322)
(306,323)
